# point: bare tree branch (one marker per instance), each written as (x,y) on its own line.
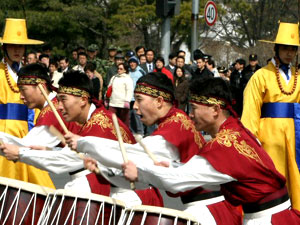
(89,28)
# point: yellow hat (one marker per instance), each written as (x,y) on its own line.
(15,32)
(288,34)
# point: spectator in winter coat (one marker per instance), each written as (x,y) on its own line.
(135,72)
(122,92)
(181,88)
(160,67)
(201,71)
(250,70)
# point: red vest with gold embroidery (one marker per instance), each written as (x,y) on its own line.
(178,129)
(100,125)
(236,152)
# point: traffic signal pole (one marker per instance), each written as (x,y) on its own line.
(165,39)
(166,9)
(194,36)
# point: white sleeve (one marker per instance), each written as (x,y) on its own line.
(195,173)
(39,135)
(57,162)
(116,177)
(108,153)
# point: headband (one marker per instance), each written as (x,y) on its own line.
(30,80)
(207,100)
(153,91)
(73,91)
(210,100)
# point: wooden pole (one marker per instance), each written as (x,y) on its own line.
(61,122)
(150,154)
(121,143)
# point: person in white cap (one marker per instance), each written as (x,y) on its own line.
(15,117)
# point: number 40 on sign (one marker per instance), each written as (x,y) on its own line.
(210,13)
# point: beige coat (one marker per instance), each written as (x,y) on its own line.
(122,90)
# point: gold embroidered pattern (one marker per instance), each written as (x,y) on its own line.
(73,91)
(247,151)
(185,124)
(101,120)
(104,122)
(47,109)
(30,81)
(207,100)
(152,91)
(228,137)
(124,134)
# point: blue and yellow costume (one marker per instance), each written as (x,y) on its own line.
(15,118)
(274,116)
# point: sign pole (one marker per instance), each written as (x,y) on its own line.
(166,37)
(194,36)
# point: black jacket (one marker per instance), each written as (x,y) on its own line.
(202,74)
(247,74)
(237,90)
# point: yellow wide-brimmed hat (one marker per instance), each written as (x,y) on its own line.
(288,34)
(15,32)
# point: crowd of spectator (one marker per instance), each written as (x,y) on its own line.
(121,70)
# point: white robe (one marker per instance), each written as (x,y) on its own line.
(195,173)
(97,148)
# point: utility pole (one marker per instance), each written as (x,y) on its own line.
(166,38)
(195,16)
(166,9)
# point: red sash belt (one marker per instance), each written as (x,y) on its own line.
(198,197)
(267,202)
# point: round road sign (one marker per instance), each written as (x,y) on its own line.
(210,13)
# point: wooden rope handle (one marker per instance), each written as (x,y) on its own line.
(60,121)
(121,144)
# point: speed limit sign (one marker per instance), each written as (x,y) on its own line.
(211,13)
